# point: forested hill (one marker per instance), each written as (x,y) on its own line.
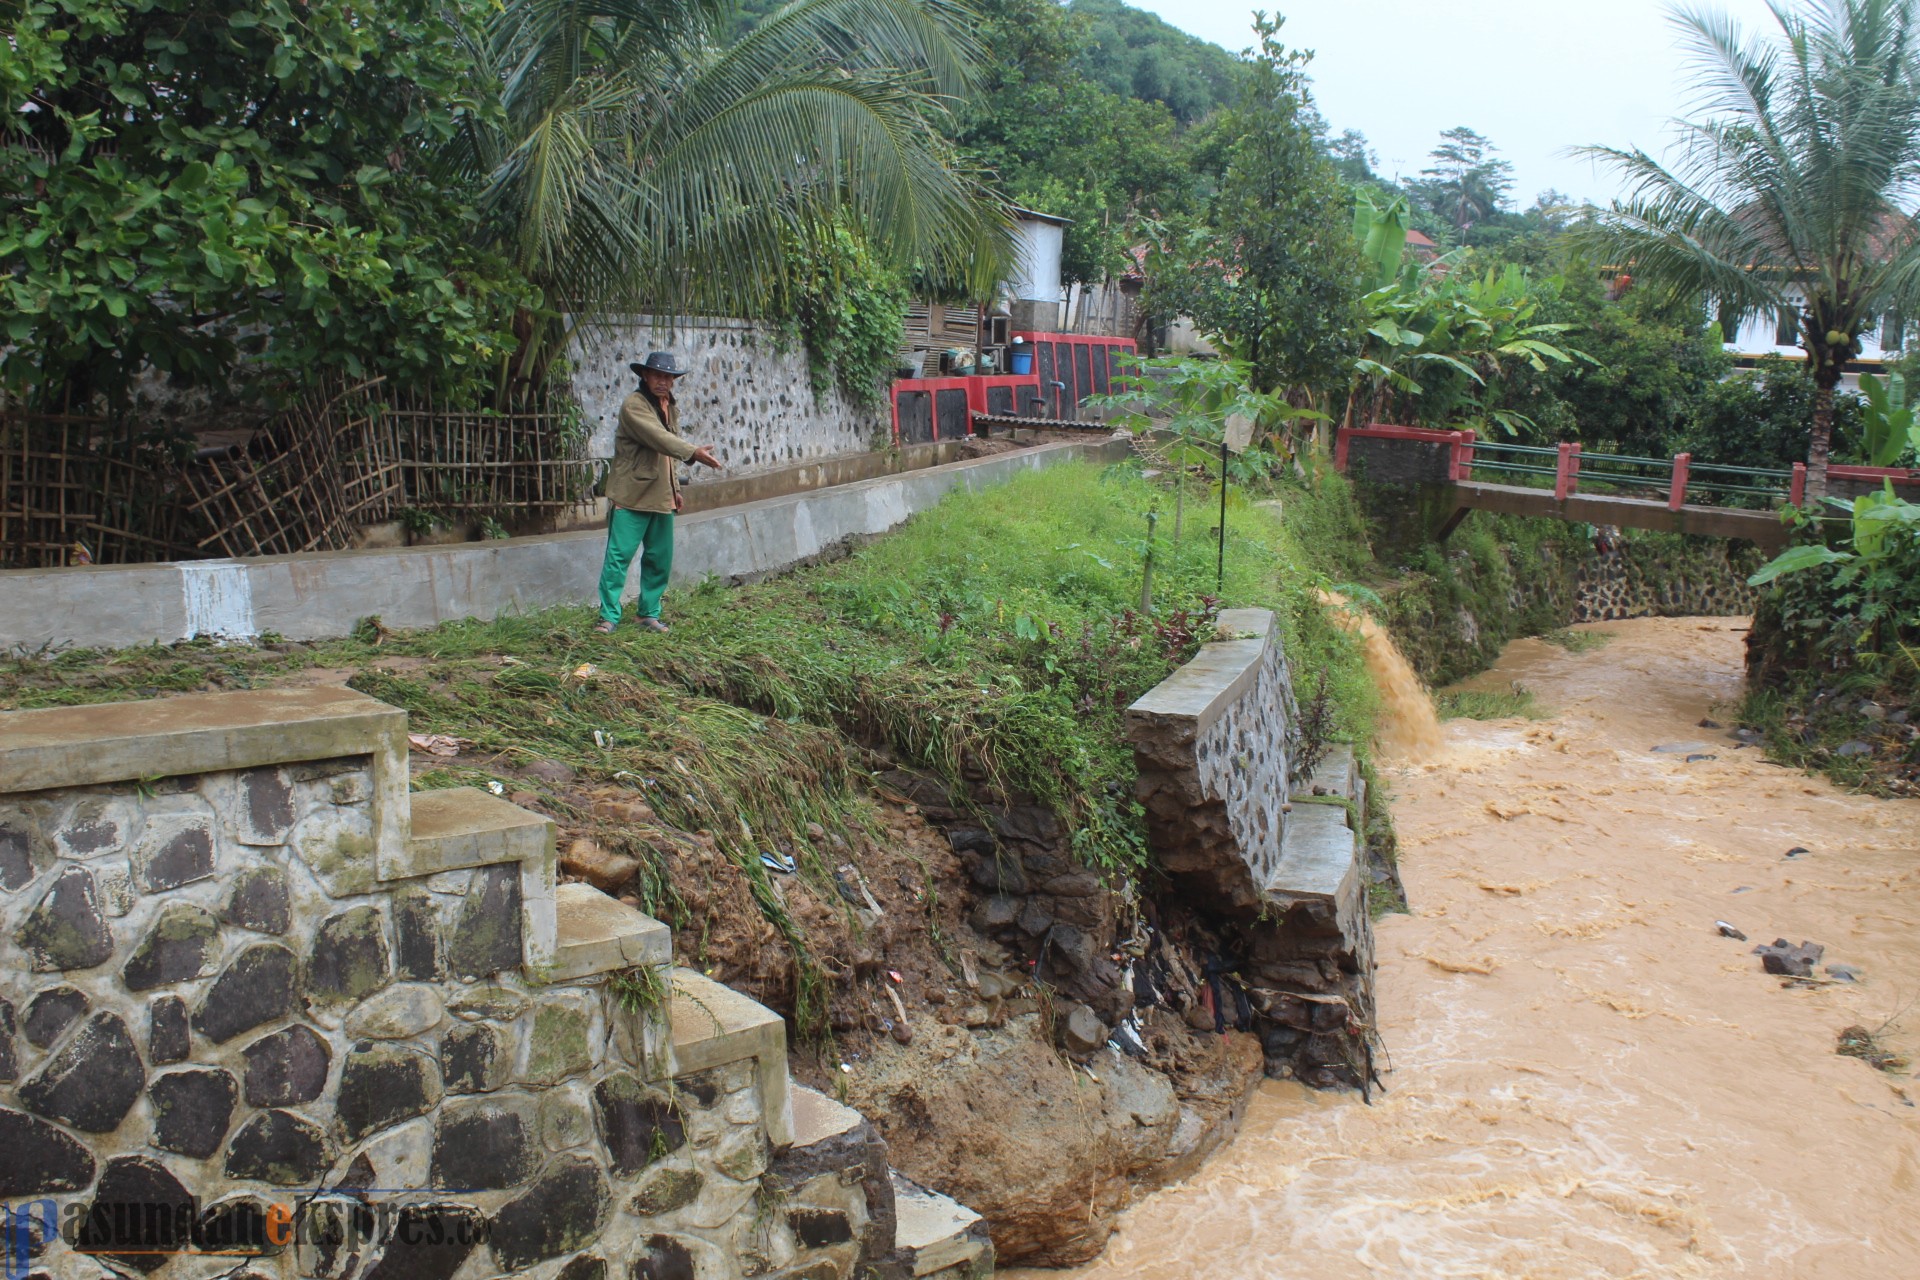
(1136,54)
(1126,51)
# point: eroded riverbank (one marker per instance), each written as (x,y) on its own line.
(1588,1080)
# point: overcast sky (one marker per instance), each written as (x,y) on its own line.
(1535,76)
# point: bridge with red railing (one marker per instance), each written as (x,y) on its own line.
(1566,482)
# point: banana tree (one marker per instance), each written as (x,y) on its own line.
(1382,233)
(1438,344)
(1886,420)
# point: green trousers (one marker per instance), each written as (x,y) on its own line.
(626,532)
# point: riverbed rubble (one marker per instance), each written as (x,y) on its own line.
(1788,961)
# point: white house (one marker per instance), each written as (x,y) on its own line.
(1779,335)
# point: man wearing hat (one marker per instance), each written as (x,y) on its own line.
(643,492)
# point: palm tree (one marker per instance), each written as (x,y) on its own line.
(1796,191)
(638,160)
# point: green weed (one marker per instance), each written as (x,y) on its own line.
(1578,641)
(1487,704)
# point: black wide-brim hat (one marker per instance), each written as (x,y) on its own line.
(661,362)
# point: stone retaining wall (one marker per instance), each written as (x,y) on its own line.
(1626,579)
(1213,743)
(255,1009)
(748,394)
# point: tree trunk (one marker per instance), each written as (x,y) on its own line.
(1822,443)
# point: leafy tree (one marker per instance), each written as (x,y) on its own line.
(1465,184)
(1441,348)
(849,311)
(1353,157)
(1653,366)
(1758,419)
(640,161)
(184,182)
(1061,143)
(1275,272)
(1796,192)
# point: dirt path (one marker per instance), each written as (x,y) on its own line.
(1589,1081)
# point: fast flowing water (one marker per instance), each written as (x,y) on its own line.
(1588,1080)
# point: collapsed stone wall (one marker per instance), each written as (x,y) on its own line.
(248,1017)
(748,395)
(1214,743)
(1275,857)
(1265,927)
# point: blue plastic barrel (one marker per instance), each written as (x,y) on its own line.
(1020,361)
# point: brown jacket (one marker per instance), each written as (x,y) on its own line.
(645,450)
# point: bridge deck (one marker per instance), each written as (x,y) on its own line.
(1760,527)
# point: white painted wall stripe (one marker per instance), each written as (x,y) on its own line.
(218,598)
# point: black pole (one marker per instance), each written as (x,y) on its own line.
(1220,567)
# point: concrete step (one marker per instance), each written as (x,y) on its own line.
(601,934)
(1317,863)
(468,827)
(935,1235)
(464,827)
(714,1025)
(1338,774)
(818,1118)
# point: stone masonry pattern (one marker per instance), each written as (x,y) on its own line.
(219,1036)
(747,394)
(1216,798)
(1283,870)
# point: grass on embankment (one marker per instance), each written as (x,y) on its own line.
(994,640)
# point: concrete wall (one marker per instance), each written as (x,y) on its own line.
(308,597)
(748,395)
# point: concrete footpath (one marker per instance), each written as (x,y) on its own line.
(313,596)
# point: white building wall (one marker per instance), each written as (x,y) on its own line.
(1760,336)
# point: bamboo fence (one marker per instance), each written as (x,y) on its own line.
(78,488)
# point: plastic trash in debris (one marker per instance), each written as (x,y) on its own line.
(496,788)
(1728,931)
(1126,1037)
(781,862)
(846,1068)
(895,975)
(434,744)
(602,739)
(1798,851)
(585,671)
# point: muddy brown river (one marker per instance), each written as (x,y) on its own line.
(1587,1079)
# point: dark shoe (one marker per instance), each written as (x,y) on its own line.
(603,627)
(651,624)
